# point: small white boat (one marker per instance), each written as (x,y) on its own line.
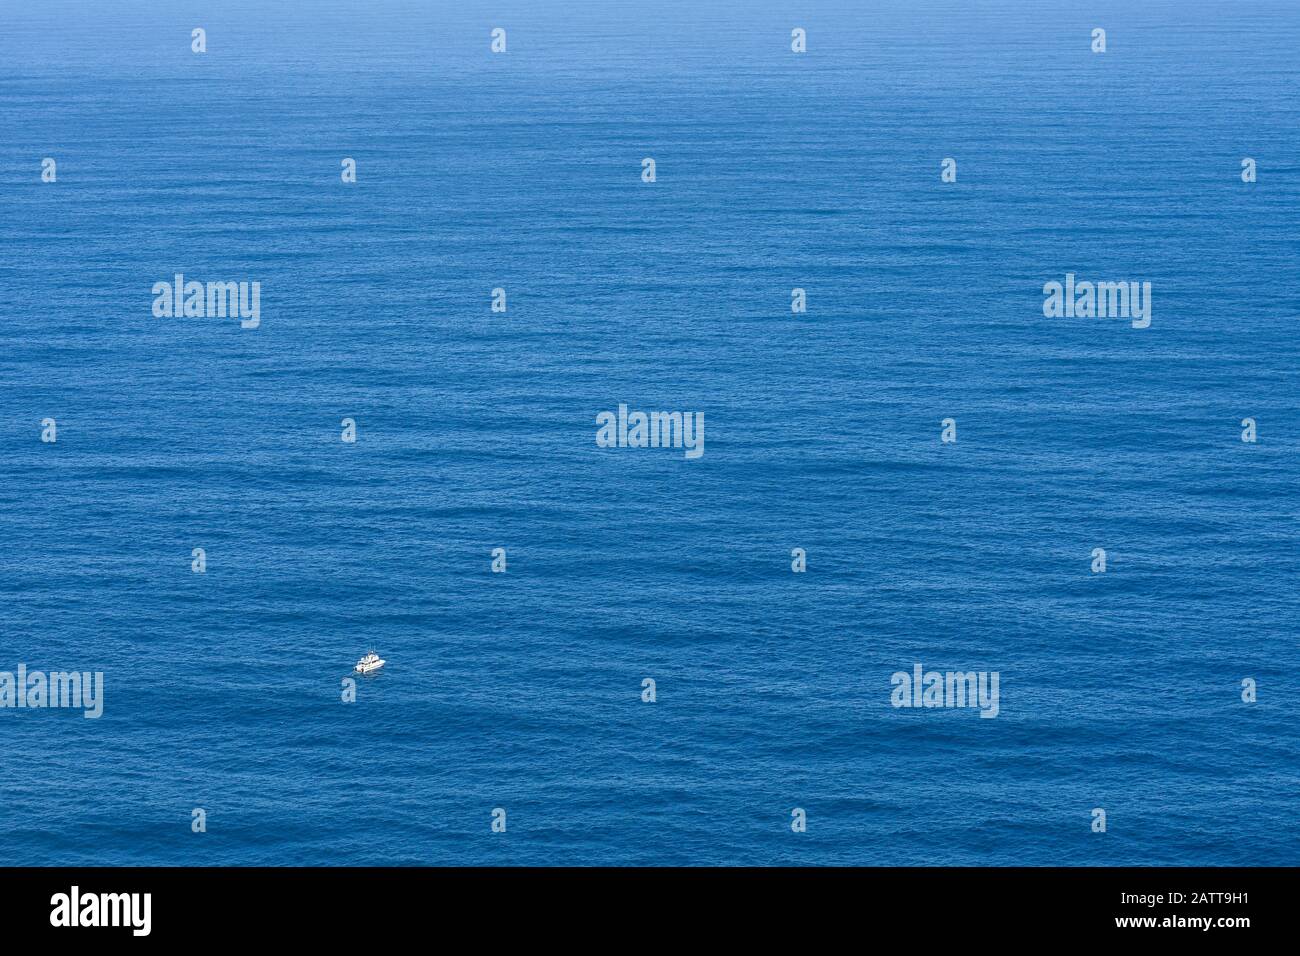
(371,662)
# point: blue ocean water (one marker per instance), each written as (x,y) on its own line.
(476,431)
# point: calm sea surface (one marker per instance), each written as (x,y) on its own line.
(476,431)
